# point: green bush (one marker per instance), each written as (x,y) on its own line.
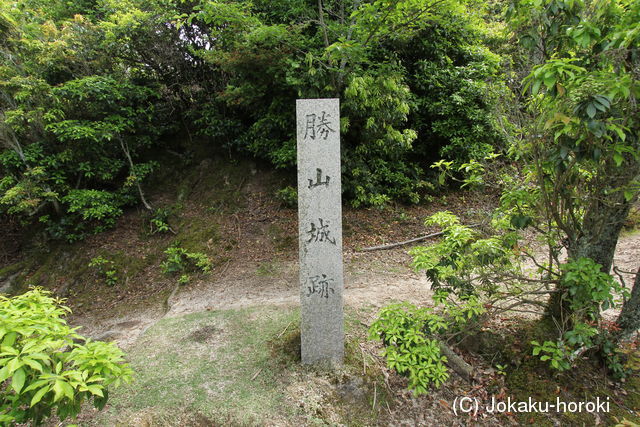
(587,291)
(408,349)
(412,335)
(462,262)
(179,260)
(288,196)
(46,367)
(106,269)
(159,222)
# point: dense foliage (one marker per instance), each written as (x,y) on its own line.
(46,367)
(573,175)
(89,92)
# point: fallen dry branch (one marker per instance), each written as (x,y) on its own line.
(406,242)
(285,330)
(253,378)
(456,363)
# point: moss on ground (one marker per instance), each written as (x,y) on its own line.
(528,377)
(198,234)
(584,384)
(11,269)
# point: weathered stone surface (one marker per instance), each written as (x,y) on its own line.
(320,225)
(8,285)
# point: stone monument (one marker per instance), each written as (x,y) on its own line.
(320,230)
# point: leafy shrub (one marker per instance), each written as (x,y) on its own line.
(408,349)
(407,92)
(87,212)
(288,196)
(457,83)
(461,257)
(588,291)
(557,353)
(106,269)
(377,149)
(159,222)
(180,260)
(411,336)
(46,367)
(99,207)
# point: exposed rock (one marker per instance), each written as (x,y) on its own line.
(110,335)
(9,284)
(353,390)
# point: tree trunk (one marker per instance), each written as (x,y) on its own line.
(629,319)
(457,363)
(558,309)
(598,239)
(601,227)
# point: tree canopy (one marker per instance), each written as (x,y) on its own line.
(91,93)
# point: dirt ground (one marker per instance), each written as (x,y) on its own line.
(372,280)
(254,249)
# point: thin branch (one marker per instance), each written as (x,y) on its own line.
(379,23)
(322,23)
(406,242)
(620,276)
(125,149)
(547,269)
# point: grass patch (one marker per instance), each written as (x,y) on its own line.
(240,367)
(64,263)
(282,241)
(196,234)
(266,269)
(205,363)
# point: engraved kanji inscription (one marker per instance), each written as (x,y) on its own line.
(320,233)
(320,285)
(318,125)
(319,180)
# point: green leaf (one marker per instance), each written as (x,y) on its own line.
(19,377)
(14,365)
(96,390)
(67,390)
(58,390)
(10,339)
(35,385)
(33,364)
(39,395)
(550,81)
(603,100)
(620,133)
(536,87)
(618,158)
(629,194)
(4,374)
